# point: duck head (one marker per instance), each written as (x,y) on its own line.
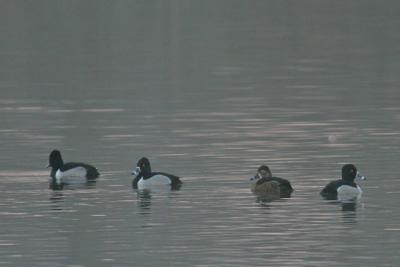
(143,167)
(349,173)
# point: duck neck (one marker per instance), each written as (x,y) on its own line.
(55,166)
(146,172)
(53,173)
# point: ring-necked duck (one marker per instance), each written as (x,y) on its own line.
(345,188)
(71,172)
(263,183)
(145,178)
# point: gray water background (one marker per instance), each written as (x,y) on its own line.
(207,90)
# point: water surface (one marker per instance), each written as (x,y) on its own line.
(207,91)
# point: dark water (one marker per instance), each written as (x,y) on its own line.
(208,90)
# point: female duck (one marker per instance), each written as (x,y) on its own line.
(263,183)
(345,188)
(146,179)
(71,172)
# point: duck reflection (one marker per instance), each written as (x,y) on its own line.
(269,195)
(349,214)
(60,186)
(268,205)
(55,186)
(266,201)
(144,197)
(56,198)
(348,210)
(349,206)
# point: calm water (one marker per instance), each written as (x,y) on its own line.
(208,90)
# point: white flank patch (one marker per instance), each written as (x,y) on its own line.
(156,180)
(346,192)
(70,176)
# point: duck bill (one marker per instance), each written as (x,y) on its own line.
(361,177)
(255,177)
(136,171)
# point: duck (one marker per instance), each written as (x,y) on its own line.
(344,189)
(263,183)
(71,172)
(146,179)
